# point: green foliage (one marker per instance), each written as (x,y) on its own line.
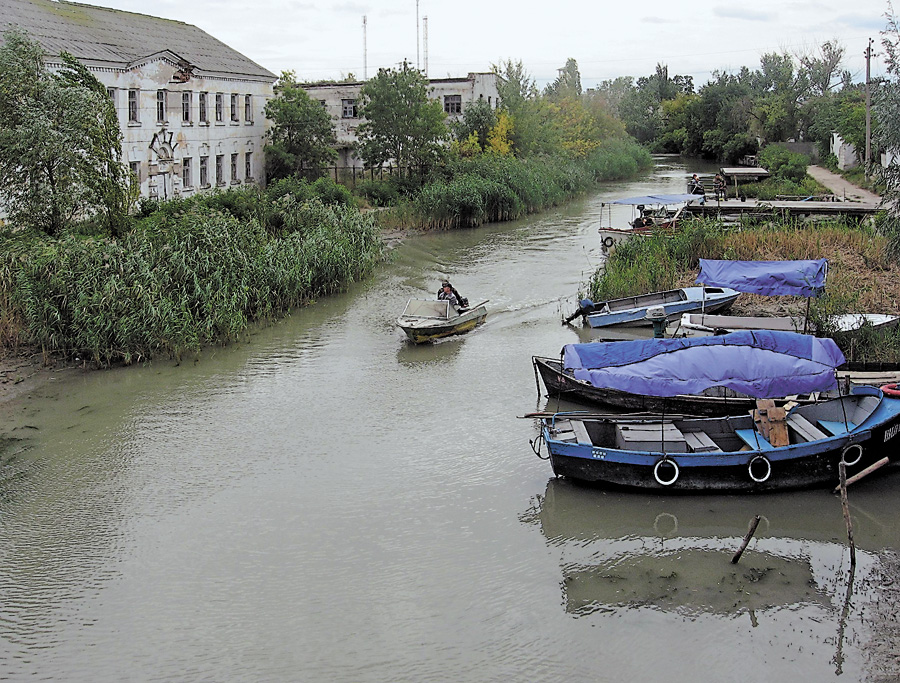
(784,164)
(567,85)
(59,148)
(378,192)
(302,134)
(402,125)
(181,279)
(478,119)
(492,187)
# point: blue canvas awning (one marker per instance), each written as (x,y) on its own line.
(758,363)
(658,199)
(794,278)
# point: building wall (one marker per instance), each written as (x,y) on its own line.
(339,101)
(156,147)
(844,151)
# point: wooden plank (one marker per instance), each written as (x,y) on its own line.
(700,442)
(581,433)
(835,427)
(805,428)
(754,439)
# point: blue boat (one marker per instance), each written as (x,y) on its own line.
(632,310)
(770,449)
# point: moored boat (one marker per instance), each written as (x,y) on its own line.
(632,310)
(772,449)
(664,212)
(428,320)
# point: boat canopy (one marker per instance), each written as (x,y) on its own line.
(658,199)
(794,278)
(758,363)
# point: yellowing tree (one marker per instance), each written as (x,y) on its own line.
(498,139)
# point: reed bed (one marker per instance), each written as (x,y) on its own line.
(490,188)
(179,280)
(863,277)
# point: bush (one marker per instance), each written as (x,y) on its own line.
(784,164)
(378,192)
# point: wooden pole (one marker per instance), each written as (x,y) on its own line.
(864,473)
(752,530)
(845,506)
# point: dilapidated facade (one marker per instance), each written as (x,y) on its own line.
(341,102)
(190,107)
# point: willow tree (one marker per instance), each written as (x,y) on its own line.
(401,124)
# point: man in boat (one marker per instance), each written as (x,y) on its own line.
(448,293)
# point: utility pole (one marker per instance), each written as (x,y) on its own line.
(868,56)
(425,43)
(365,54)
(417,34)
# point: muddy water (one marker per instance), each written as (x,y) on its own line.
(326,502)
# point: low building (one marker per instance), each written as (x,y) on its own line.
(844,151)
(341,101)
(190,107)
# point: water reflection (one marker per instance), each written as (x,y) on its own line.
(673,554)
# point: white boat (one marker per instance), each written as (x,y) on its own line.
(427,320)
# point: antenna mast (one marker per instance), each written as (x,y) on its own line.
(417,34)
(365,54)
(425,43)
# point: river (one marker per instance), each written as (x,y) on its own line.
(327,502)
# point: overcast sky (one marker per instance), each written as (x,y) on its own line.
(319,39)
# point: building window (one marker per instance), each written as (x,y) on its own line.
(348,109)
(248,109)
(133,106)
(161,105)
(220,174)
(247,168)
(186,179)
(111,92)
(204,171)
(234,165)
(234,107)
(135,168)
(204,115)
(453,104)
(186,104)
(220,107)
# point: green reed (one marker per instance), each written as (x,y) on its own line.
(179,280)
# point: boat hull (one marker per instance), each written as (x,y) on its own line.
(811,464)
(423,331)
(632,311)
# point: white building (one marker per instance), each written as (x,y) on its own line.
(190,107)
(844,151)
(340,100)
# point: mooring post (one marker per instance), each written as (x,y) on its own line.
(842,470)
(752,530)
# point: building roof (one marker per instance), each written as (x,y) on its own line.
(99,36)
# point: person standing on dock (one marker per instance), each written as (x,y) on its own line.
(719,187)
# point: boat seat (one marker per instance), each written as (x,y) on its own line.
(806,429)
(700,442)
(564,431)
(835,427)
(581,433)
(754,439)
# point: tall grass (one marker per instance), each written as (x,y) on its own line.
(489,187)
(863,276)
(179,281)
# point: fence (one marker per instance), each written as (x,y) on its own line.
(350,175)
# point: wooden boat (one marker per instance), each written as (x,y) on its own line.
(660,215)
(717,454)
(427,320)
(561,383)
(632,310)
(850,322)
(773,449)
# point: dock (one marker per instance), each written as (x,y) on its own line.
(782,208)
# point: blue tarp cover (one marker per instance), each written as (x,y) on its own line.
(658,199)
(796,278)
(758,363)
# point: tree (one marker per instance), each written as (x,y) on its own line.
(401,123)
(823,69)
(567,84)
(302,134)
(887,112)
(114,186)
(57,148)
(478,118)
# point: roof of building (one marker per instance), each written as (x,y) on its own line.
(103,36)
